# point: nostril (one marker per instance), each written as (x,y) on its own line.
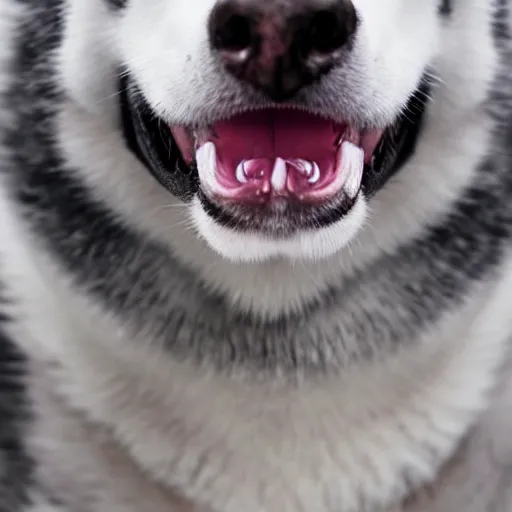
(326,32)
(232,33)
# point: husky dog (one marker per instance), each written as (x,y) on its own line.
(255,255)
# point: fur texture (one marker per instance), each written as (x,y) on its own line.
(152,359)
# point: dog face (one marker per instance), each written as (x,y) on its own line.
(276,122)
(280,165)
(261,144)
(196,100)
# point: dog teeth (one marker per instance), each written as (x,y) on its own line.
(241,175)
(279,175)
(206,158)
(247,170)
(352,162)
(307,168)
(303,166)
(315,176)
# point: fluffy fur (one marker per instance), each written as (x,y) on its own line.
(154,360)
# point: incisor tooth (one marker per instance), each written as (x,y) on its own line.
(315,176)
(240,172)
(279,175)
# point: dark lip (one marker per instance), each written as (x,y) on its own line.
(151,141)
(277,224)
(143,134)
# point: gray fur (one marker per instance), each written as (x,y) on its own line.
(15,463)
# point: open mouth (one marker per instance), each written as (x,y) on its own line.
(278,155)
(273,170)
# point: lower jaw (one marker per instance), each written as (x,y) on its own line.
(277,220)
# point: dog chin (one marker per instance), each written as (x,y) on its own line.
(253,247)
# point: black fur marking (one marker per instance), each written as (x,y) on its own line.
(139,279)
(446,7)
(502,21)
(117,4)
(16,467)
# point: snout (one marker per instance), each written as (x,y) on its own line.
(277,120)
(280,46)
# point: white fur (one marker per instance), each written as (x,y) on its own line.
(307,245)
(88,48)
(166,46)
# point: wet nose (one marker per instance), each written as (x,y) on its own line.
(280,46)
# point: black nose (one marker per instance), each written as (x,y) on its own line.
(279,46)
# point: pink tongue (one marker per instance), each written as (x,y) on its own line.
(276,133)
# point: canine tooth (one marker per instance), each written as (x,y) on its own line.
(206,158)
(279,175)
(352,162)
(315,176)
(240,172)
